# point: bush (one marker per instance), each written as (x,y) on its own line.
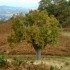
(18,61)
(37,28)
(3,61)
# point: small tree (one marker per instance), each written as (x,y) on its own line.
(38,29)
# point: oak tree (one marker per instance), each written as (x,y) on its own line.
(38,29)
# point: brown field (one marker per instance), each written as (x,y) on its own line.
(62,49)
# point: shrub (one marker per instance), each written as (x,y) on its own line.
(37,28)
(51,68)
(3,61)
(18,61)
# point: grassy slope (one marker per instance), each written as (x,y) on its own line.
(24,48)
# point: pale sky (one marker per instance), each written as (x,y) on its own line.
(20,3)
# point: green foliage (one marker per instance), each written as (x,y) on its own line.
(51,68)
(17,30)
(18,61)
(43,29)
(10,39)
(37,28)
(3,61)
(59,8)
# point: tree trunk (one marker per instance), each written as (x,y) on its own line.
(61,26)
(38,54)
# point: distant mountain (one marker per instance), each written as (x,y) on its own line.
(6,11)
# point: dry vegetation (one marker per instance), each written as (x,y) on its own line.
(20,63)
(5,30)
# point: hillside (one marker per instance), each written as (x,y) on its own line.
(63,48)
(6,11)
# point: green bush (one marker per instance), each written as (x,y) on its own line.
(37,28)
(18,61)
(51,68)
(3,61)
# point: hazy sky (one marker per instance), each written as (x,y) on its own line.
(20,3)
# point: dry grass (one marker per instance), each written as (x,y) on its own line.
(62,49)
(57,63)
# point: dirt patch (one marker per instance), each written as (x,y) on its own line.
(37,65)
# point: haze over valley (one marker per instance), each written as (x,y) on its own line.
(7,12)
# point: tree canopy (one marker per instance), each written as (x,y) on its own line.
(36,28)
(59,8)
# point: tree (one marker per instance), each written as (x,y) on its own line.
(38,29)
(59,8)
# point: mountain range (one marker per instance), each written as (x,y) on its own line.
(6,12)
